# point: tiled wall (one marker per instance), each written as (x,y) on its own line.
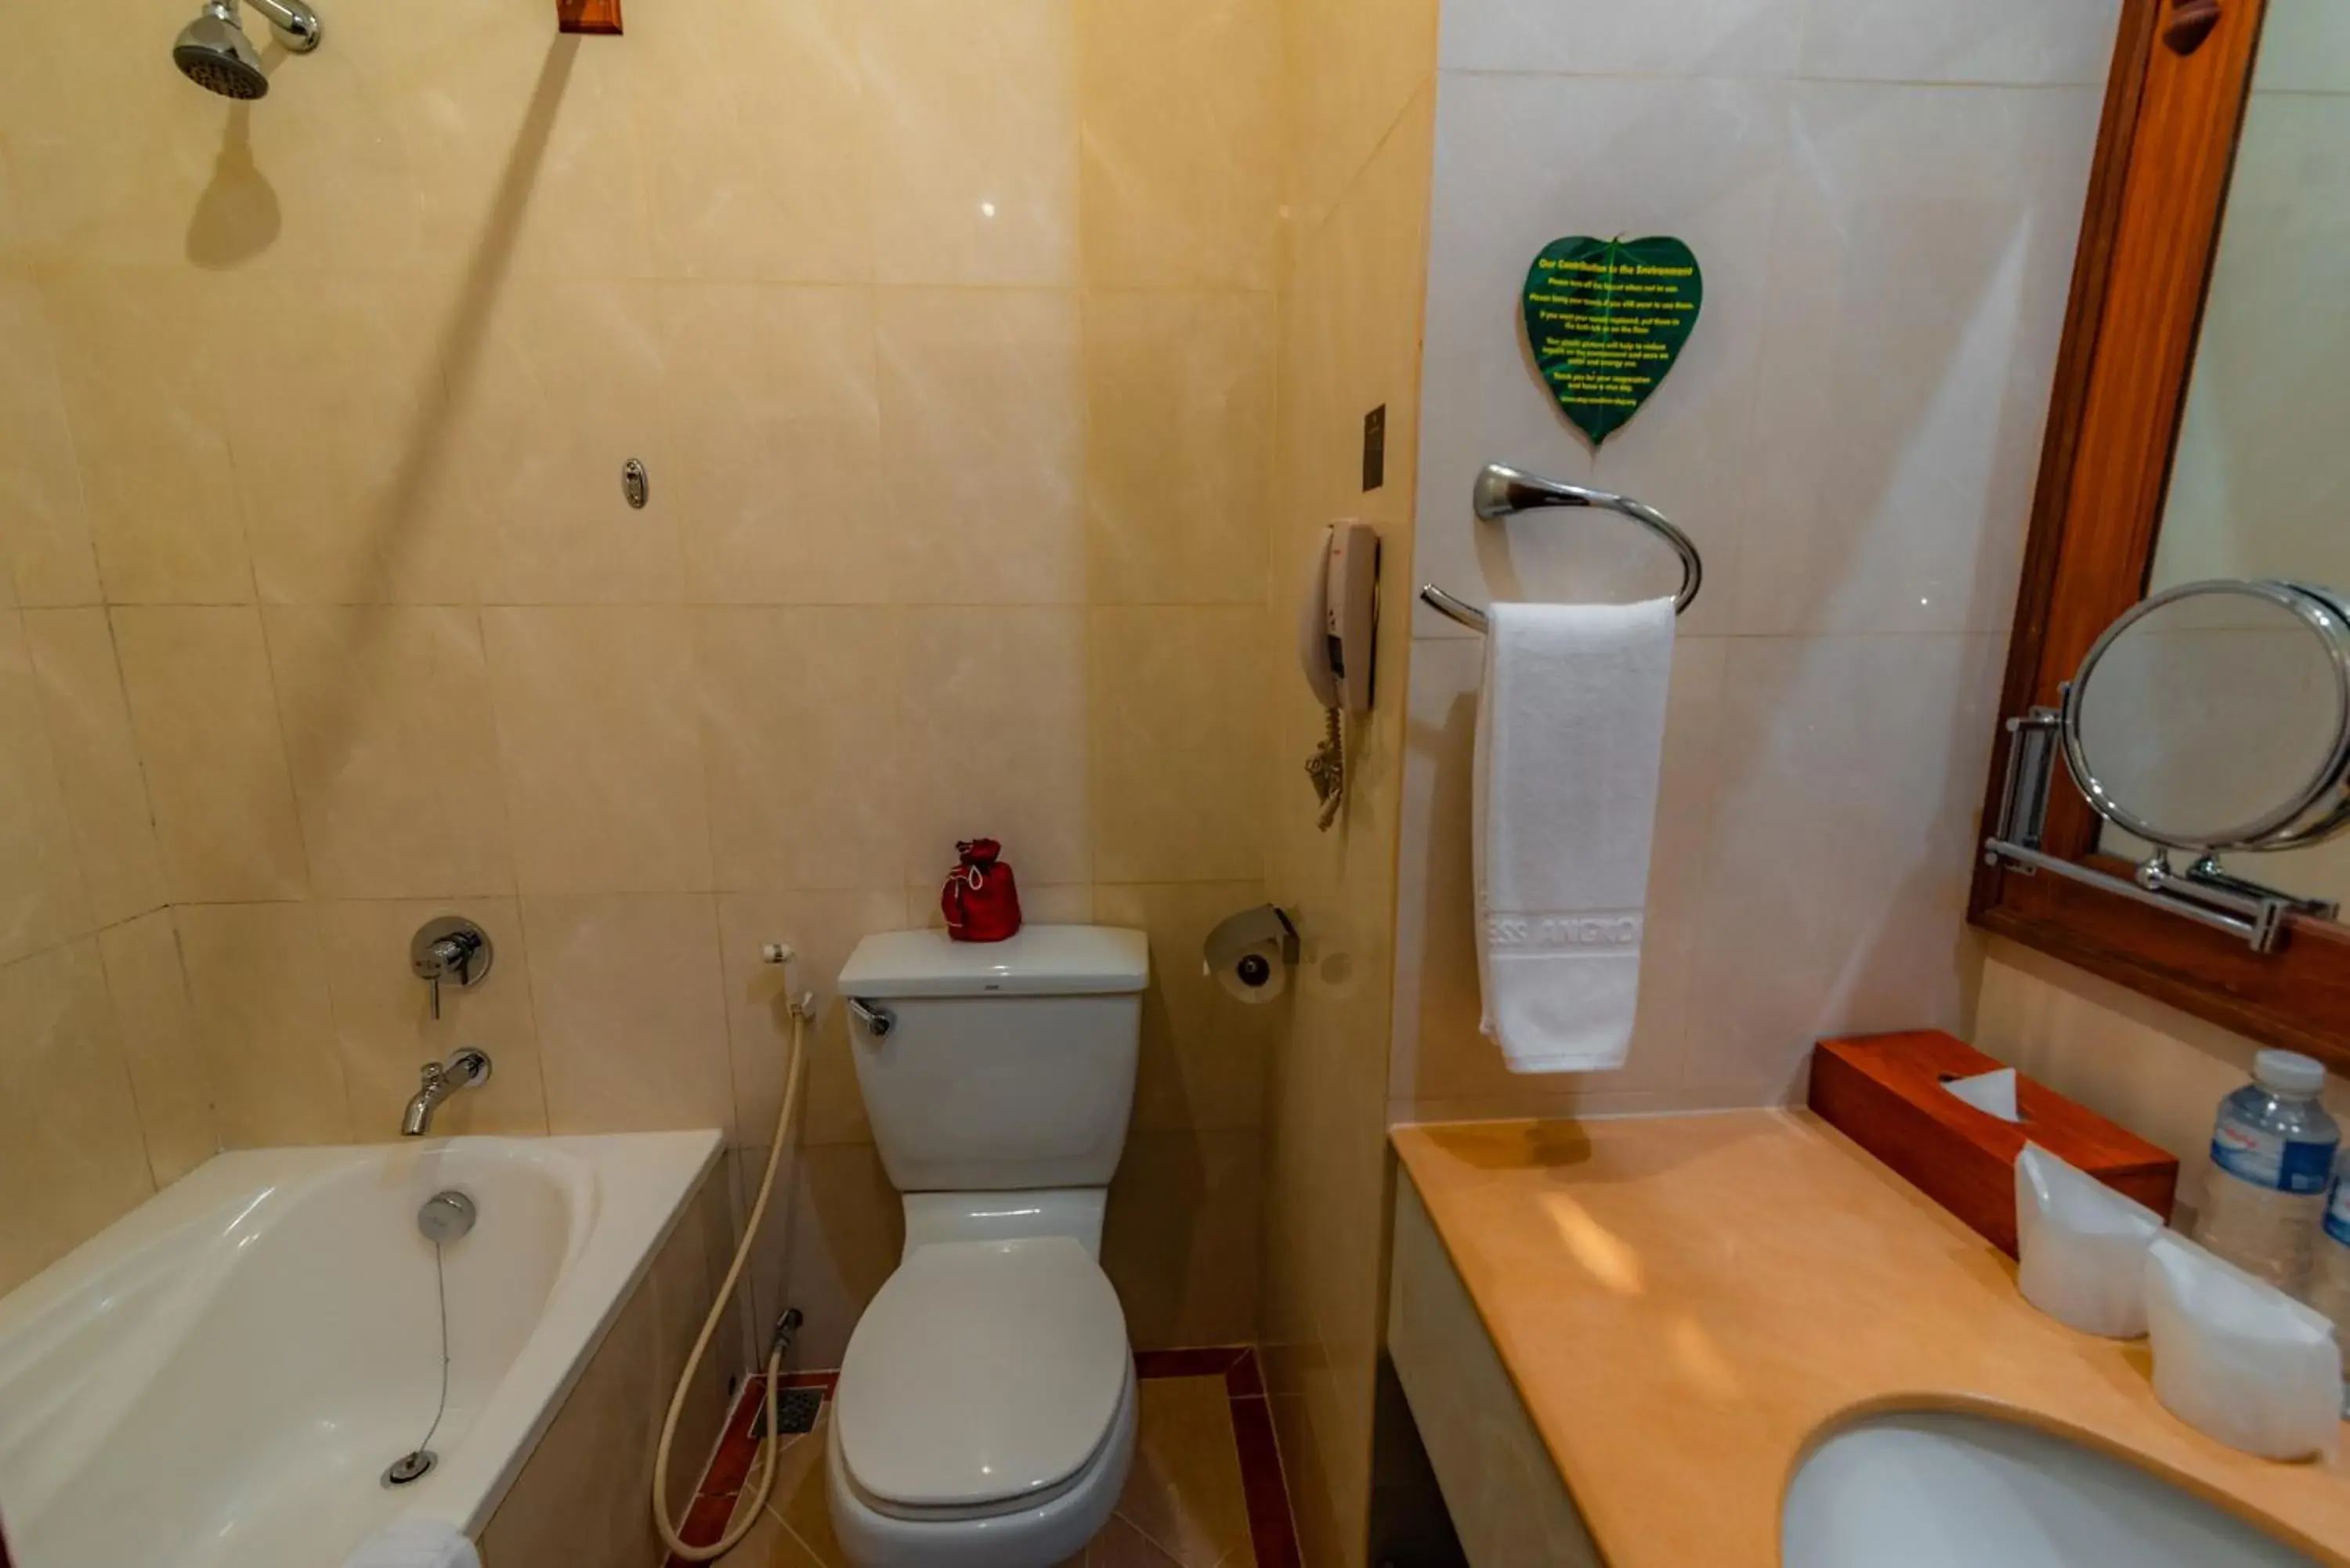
(1885,197)
(948,334)
(1360,97)
(2153,1069)
(579,1499)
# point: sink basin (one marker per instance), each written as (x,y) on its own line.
(1941,1491)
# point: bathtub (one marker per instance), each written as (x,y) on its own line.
(222,1376)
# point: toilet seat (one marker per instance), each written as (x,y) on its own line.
(984,1379)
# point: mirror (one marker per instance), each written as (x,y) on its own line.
(2260,488)
(2176,642)
(2216,716)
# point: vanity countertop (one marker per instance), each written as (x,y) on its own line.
(1683,1302)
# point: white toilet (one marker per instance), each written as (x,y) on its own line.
(984,1416)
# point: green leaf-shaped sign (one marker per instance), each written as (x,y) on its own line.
(1606,319)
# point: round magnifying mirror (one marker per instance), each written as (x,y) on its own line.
(2216,716)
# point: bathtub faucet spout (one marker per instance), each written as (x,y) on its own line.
(438,1081)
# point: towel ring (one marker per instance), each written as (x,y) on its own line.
(1503,492)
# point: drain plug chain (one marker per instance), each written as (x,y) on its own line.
(445,1217)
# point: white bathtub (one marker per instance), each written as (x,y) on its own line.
(222,1377)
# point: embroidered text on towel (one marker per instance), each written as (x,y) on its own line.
(1559,933)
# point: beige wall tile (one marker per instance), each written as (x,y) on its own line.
(45,539)
(800,744)
(1181,105)
(1204,1054)
(1177,743)
(971,137)
(760,1294)
(747,132)
(393,749)
(336,486)
(1352,65)
(824,929)
(2149,1068)
(169,1072)
(384,1027)
(775,421)
(1181,1244)
(633,1022)
(96,760)
(1180,429)
(138,356)
(995,741)
(257,980)
(124,168)
(597,747)
(847,1228)
(68,1123)
(983,415)
(580,1498)
(1360,89)
(205,710)
(682,1284)
(42,898)
(96,170)
(563,385)
(562,194)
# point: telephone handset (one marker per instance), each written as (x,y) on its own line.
(1337,617)
(1337,624)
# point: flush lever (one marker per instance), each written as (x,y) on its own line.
(878,1021)
(450,948)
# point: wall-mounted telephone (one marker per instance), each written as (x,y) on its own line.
(1337,614)
(1337,625)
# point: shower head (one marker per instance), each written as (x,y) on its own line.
(215,53)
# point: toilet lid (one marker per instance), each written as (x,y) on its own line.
(983,1372)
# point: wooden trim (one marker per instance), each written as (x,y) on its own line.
(587,15)
(2068,401)
(2149,235)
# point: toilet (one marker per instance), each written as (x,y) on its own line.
(986,1412)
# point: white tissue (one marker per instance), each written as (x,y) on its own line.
(2081,1247)
(2238,1358)
(415,1543)
(1992,1093)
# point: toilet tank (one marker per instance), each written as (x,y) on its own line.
(1004,1065)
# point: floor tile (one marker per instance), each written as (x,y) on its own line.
(1184,1505)
(1184,1492)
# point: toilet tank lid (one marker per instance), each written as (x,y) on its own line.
(1041,960)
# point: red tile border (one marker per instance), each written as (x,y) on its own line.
(1271,1532)
(1215,1362)
(730,1467)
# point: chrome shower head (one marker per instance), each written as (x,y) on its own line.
(215,53)
(217,57)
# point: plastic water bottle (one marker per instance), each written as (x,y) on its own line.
(2329,1276)
(2273,1153)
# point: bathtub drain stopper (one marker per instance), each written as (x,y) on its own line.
(411,1467)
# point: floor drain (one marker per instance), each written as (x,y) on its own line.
(410,1468)
(796,1412)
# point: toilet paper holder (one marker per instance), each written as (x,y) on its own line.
(1237,947)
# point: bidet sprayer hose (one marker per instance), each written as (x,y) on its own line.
(747,1519)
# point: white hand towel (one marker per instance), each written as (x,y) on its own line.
(415,1543)
(1570,735)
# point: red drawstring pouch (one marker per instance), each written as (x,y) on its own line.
(981,899)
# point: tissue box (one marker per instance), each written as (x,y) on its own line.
(1884,1092)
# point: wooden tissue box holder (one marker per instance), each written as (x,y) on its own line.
(1884,1092)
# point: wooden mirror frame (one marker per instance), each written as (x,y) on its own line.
(2174,110)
